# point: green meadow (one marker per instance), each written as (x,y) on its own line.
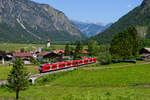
(5,69)
(28,47)
(129,83)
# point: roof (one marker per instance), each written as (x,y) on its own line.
(148,49)
(145,55)
(48,40)
(58,51)
(22,54)
(84,52)
(43,53)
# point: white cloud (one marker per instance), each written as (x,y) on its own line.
(129,6)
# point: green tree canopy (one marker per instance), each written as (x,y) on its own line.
(144,42)
(125,44)
(78,50)
(67,50)
(18,78)
(92,48)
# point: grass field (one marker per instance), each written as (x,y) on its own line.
(5,69)
(28,47)
(130,83)
(14,47)
(114,64)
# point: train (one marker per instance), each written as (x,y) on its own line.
(61,65)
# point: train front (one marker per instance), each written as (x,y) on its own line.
(41,68)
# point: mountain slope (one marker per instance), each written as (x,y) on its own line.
(90,29)
(27,21)
(138,17)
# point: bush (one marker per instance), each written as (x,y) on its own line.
(105,59)
(44,62)
(35,61)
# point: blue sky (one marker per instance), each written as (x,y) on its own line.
(93,10)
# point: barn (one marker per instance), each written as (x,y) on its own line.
(145,53)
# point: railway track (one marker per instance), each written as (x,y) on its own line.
(33,77)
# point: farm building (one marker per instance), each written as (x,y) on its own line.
(145,53)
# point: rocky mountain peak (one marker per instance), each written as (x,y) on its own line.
(29,20)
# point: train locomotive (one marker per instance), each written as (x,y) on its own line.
(56,66)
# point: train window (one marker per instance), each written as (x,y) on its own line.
(86,61)
(48,67)
(75,63)
(69,64)
(62,65)
(54,65)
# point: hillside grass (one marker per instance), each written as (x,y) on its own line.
(33,69)
(130,83)
(114,64)
(129,76)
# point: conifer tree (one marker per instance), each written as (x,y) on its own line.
(67,50)
(18,78)
(78,50)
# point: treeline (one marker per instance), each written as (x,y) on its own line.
(93,49)
(125,45)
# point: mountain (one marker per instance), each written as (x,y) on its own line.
(138,17)
(90,29)
(28,21)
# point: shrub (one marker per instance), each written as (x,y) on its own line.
(35,61)
(105,59)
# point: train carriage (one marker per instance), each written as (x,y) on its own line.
(55,66)
(69,63)
(62,65)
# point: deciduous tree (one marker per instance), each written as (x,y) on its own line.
(125,44)
(92,48)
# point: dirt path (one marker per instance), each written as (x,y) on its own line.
(130,65)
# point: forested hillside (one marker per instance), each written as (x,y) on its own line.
(138,17)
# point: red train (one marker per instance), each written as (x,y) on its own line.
(61,65)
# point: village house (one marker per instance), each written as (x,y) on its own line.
(43,56)
(25,57)
(5,56)
(47,56)
(145,53)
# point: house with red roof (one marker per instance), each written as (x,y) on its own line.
(25,57)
